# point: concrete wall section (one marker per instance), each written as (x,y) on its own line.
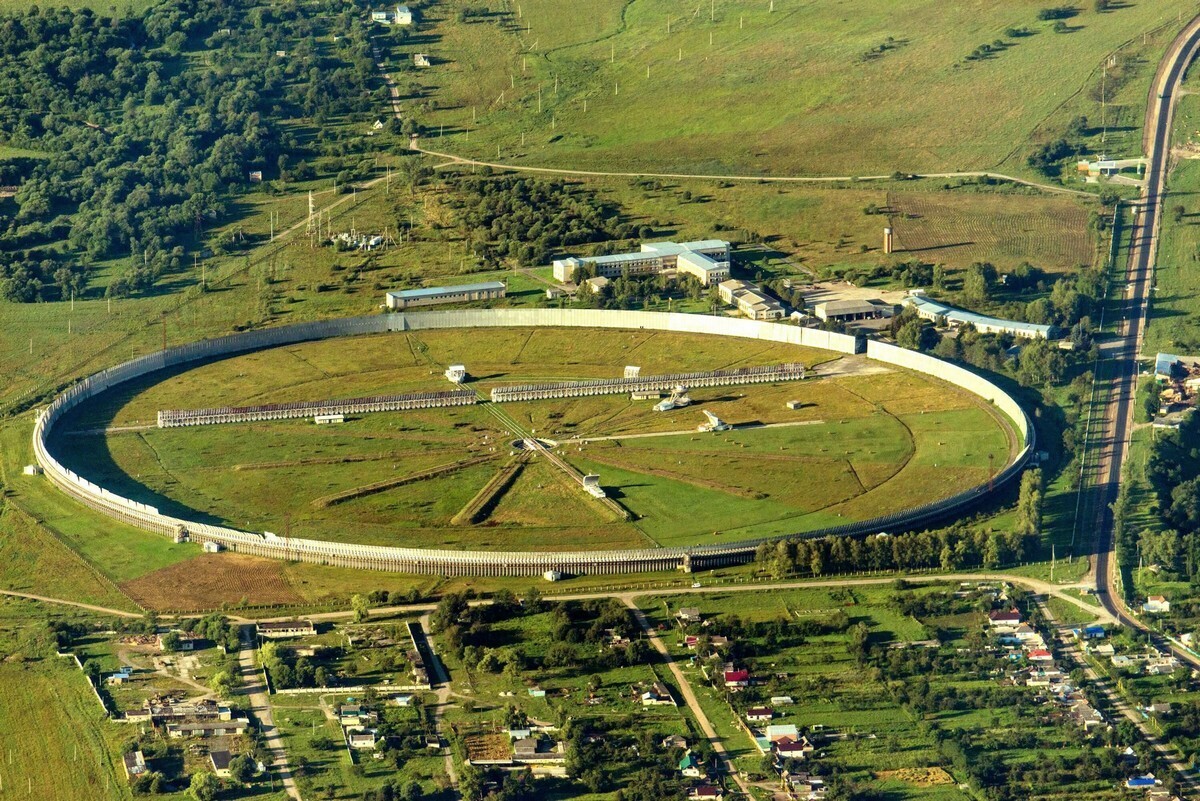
(491,563)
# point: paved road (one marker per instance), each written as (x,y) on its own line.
(689,697)
(1118,417)
(260,707)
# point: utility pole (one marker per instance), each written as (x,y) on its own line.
(1104,103)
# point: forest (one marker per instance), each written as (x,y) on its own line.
(149,126)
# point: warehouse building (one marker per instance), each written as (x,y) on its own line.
(849,310)
(940,313)
(750,299)
(707,260)
(430,296)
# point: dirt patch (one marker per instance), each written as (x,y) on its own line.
(918,777)
(487,747)
(958,229)
(212,579)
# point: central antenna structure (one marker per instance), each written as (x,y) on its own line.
(312,210)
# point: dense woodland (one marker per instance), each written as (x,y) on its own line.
(1173,473)
(148,127)
(533,220)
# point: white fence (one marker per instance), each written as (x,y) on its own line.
(175,418)
(494,563)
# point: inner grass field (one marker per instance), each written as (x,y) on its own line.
(867,441)
(751,87)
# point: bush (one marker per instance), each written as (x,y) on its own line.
(1057,13)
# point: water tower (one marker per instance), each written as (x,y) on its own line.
(887,240)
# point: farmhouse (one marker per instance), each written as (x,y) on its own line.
(736,679)
(361,738)
(135,764)
(674,741)
(658,695)
(401,15)
(1156,605)
(787,748)
(690,767)
(1004,617)
(941,313)
(533,749)
(285,628)
(689,614)
(707,792)
(750,300)
(759,714)
(421,60)
(220,761)
(706,260)
(431,296)
(776,734)
(355,715)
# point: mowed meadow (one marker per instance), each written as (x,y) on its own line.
(865,441)
(758,87)
(55,741)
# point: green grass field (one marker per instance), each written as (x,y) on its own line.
(799,87)
(1174,326)
(75,755)
(862,445)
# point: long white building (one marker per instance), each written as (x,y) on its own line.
(939,312)
(707,260)
(429,296)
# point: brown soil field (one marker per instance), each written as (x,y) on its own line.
(958,229)
(212,579)
(918,777)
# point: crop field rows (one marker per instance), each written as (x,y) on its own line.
(963,229)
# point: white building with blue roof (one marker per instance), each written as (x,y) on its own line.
(706,259)
(941,313)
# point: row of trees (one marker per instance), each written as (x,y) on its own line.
(957,547)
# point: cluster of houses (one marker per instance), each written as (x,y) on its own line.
(357,724)
(202,719)
(1039,669)
(178,718)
